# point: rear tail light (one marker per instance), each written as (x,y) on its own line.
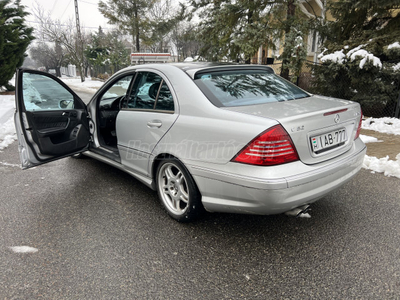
(272,147)
(359,127)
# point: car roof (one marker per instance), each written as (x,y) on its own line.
(191,68)
(200,65)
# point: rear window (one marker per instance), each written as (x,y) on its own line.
(246,87)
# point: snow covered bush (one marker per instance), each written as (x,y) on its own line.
(359,75)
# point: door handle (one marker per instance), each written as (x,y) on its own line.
(154,124)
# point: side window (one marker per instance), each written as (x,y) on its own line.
(150,92)
(165,100)
(44,93)
(117,89)
(144,91)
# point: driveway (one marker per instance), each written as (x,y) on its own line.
(100,234)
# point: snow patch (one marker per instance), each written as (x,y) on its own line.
(369,139)
(354,50)
(366,56)
(383,165)
(88,85)
(305,215)
(384,125)
(23,249)
(337,57)
(7,128)
(394,45)
(9,165)
(357,52)
(396,67)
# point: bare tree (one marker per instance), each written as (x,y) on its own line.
(64,35)
(49,56)
(160,17)
(184,37)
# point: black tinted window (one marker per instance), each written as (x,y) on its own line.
(164,100)
(150,92)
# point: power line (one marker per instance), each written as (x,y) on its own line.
(65,25)
(54,5)
(66,9)
(87,2)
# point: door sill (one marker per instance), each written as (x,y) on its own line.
(109,152)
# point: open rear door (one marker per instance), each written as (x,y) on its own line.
(50,119)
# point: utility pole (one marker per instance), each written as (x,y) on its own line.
(80,42)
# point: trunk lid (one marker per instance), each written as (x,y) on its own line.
(321,128)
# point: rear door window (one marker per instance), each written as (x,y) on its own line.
(150,92)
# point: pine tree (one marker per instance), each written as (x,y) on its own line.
(96,50)
(361,61)
(15,37)
(107,50)
(129,15)
(235,30)
(371,22)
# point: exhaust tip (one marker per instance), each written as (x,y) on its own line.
(296,212)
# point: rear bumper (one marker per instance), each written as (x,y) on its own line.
(228,192)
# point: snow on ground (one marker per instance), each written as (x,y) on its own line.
(384,125)
(23,249)
(381,165)
(90,86)
(369,139)
(7,128)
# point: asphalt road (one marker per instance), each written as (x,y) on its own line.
(101,234)
(86,97)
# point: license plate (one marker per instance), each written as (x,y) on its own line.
(328,140)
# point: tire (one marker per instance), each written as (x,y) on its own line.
(177,191)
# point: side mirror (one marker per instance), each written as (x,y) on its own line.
(66,104)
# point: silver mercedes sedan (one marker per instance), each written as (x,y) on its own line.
(206,137)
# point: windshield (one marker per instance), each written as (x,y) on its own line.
(246,87)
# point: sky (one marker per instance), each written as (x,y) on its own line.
(89,16)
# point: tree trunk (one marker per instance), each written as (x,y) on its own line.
(80,70)
(291,9)
(137,35)
(137,42)
(58,71)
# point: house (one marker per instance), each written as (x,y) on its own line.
(267,55)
